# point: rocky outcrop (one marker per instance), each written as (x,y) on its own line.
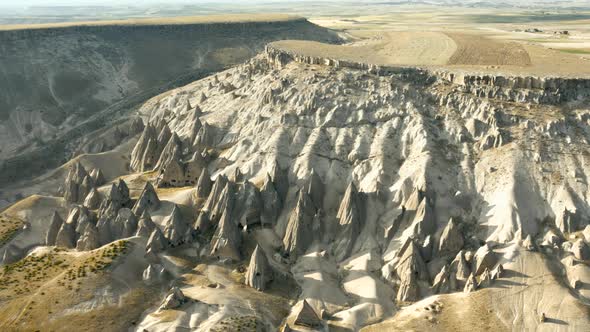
(299,234)
(485,258)
(174,299)
(528,243)
(350,222)
(145,225)
(460,270)
(451,239)
(148,200)
(315,189)
(154,273)
(411,272)
(176,227)
(98,177)
(259,272)
(66,237)
(271,202)
(306,316)
(74,190)
(54,227)
(92,200)
(202,224)
(471,284)
(156,242)
(88,239)
(442,282)
(580,250)
(203,186)
(248,204)
(227,239)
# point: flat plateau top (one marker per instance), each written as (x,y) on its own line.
(209,19)
(460,50)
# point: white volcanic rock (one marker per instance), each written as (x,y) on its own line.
(580,250)
(176,227)
(66,237)
(350,222)
(139,160)
(259,272)
(471,284)
(460,270)
(411,272)
(248,204)
(586,233)
(72,191)
(451,240)
(174,299)
(306,316)
(203,184)
(92,200)
(227,240)
(156,242)
(145,225)
(299,235)
(88,239)
(54,227)
(148,200)
(202,224)
(485,258)
(128,220)
(271,202)
(215,195)
(528,243)
(154,273)
(442,282)
(97,177)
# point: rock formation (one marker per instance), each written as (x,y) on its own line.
(306,316)
(350,221)
(451,239)
(259,272)
(92,200)
(66,237)
(485,258)
(227,239)
(145,225)
(88,239)
(298,235)
(174,299)
(271,203)
(148,200)
(204,184)
(580,250)
(54,227)
(411,272)
(156,242)
(176,227)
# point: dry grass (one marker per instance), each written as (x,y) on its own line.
(9,227)
(209,19)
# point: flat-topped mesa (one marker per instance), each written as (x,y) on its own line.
(350,222)
(259,272)
(515,88)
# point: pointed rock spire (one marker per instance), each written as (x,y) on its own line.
(580,250)
(528,243)
(98,177)
(156,242)
(280,180)
(153,273)
(259,272)
(92,200)
(460,270)
(224,203)
(451,239)
(172,151)
(248,204)
(271,203)
(202,224)
(349,217)
(215,194)
(485,258)
(410,269)
(471,284)
(89,239)
(306,316)
(128,220)
(175,227)
(54,227)
(485,279)
(424,223)
(66,237)
(315,189)
(298,235)
(204,184)
(442,281)
(173,300)
(137,155)
(145,225)
(205,137)
(227,239)
(148,200)
(85,187)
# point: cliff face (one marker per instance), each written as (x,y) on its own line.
(52,79)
